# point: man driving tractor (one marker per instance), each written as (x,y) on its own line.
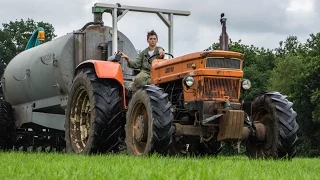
(141,62)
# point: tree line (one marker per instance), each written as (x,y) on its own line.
(293,69)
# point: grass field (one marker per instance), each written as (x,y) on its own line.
(23,166)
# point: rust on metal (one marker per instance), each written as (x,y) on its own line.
(91,37)
(79,43)
(191,130)
(139,128)
(80,119)
(245,133)
(221,87)
(231,125)
(210,88)
(140,131)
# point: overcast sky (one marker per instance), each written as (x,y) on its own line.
(258,22)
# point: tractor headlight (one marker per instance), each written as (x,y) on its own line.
(246,84)
(189,81)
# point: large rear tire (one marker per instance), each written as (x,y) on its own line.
(149,127)
(275,113)
(7,126)
(92,124)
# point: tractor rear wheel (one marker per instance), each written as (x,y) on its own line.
(92,124)
(275,122)
(7,125)
(149,125)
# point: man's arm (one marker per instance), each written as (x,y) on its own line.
(160,51)
(134,64)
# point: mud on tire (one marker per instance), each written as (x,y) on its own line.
(149,125)
(92,124)
(275,112)
(7,125)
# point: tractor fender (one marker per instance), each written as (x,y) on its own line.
(105,70)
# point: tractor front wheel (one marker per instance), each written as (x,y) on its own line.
(149,125)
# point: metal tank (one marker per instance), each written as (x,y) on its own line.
(36,82)
(40,72)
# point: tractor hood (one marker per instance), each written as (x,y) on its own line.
(212,63)
(160,63)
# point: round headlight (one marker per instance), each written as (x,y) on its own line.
(246,84)
(189,81)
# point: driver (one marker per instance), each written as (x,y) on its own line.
(141,62)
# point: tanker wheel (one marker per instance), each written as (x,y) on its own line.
(275,122)
(7,125)
(91,122)
(149,127)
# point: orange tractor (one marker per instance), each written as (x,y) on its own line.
(72,96)
(192,105)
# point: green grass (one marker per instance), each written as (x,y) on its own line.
(23,166)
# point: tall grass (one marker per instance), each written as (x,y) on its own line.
(23,166)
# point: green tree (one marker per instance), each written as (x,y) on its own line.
(7,49)
(290,46)
(287,74)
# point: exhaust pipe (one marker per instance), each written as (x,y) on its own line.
(224,38)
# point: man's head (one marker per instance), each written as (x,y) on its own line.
(152,38)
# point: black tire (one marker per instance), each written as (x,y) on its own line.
(104,97)
(7,125)
(157,122)
(275,112)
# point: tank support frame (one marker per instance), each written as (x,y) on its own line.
(27,113)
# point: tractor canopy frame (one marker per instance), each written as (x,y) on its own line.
(118,11)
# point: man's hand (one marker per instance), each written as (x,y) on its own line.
(161,52)
(123,55)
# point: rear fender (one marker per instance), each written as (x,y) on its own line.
(106,70)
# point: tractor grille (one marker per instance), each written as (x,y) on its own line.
(223,63)
(220,87)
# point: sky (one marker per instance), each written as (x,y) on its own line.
(263,23)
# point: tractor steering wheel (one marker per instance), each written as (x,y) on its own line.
(149,60)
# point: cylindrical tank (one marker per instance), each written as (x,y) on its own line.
(47,70)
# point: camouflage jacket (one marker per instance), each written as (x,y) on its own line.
(141,62)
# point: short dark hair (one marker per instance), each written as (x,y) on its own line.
(152,33)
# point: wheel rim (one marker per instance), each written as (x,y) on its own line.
(80,119)
(264,124)
(139,128)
